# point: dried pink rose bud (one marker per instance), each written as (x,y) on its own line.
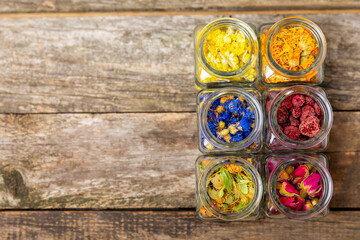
(300,202)
(307,206)
(289,169)
(297,180)
(288,190)
(283,176)
(312,185)
(296,203)
(301,171)
(288,201)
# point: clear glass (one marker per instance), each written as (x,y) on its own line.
(272,74)
(273,166)
(205,165)
(275,139)
(208,77)
(208,143)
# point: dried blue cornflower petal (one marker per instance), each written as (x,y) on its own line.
(215,103)
(233,121)
(237,137)
(249,113)
(213,126)
(246,134)
(235,106)
(225,117)
(211,113)
(245,124)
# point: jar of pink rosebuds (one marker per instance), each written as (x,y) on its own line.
(299,186)
(297,118)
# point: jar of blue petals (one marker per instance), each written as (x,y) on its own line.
(230,120)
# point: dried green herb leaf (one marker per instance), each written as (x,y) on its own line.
(240,206)
(224,206)
(218,181)
(226,176)
(237,192)
(229,199)
(221,193)
(244,188)
(213,194)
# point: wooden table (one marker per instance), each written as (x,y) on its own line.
(98,122)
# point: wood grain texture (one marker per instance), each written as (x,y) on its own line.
(172,5)
(128,160)
(169,225)
(136,63)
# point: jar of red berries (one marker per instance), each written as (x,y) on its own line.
(299,186)
(297,118)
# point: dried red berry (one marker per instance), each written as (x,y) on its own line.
(298,100)
(317,109)
(293,121)
(287,102)
(309,101)
(292,132)
(310,126)
(296,112)
(282,115)
(306,111)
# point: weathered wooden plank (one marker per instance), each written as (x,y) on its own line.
(168,225)
(136,63)
(128,160)
(172,5)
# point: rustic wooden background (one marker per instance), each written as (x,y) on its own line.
(97,118)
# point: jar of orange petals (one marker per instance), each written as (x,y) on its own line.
(293,51)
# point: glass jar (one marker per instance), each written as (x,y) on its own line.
(275,139)
(208,142)
(208,77)
(273,73)
(206,165)
(274,164)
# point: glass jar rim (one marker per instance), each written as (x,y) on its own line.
(258,116)
(255,202)
(326,180)
(319,98)
(243,28)
(313,28)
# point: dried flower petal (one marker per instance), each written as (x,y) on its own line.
(289,169)
(288,190)
(312,185)
(232,128)
(221,125)
(300,202)
(314,201)
(301,171)
(297,180)
(307,206)
(283,176)
(288,201)
(296,203)
(303,194)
